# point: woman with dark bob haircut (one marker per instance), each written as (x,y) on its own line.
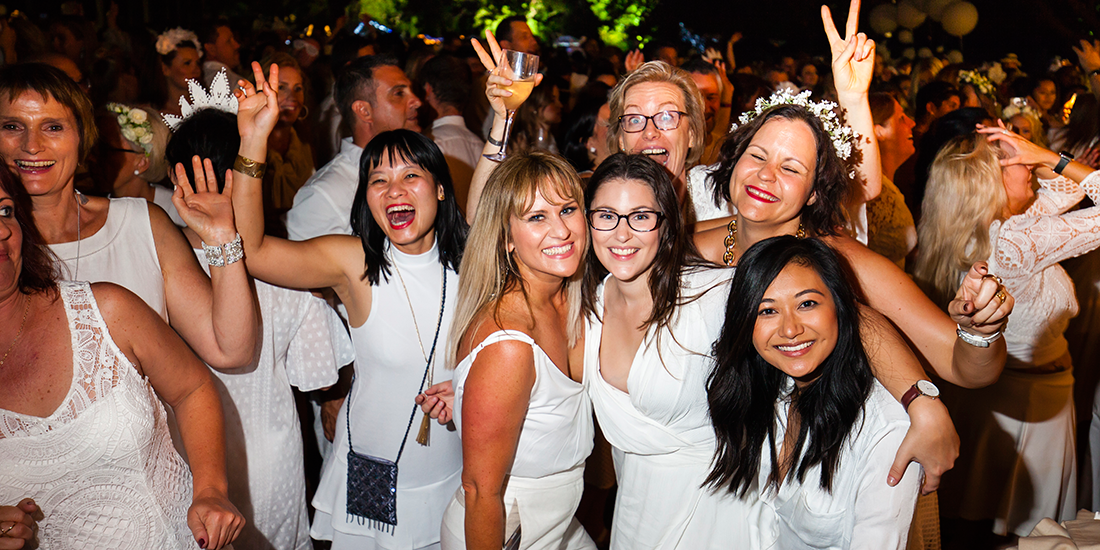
(47,128)
(398,279)
(88,367)
(793,381)
(785,173)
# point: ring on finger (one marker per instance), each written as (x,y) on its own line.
(4,532)
(1000,282)
(1001,295)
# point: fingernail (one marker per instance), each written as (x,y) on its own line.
(891,481)
(202,543)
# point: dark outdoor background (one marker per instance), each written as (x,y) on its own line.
(1036,30)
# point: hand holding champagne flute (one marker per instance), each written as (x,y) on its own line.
(518,70)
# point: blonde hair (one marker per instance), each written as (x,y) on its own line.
(488,270)
(965,194)
(659,71)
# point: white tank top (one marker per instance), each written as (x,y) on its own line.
(121,252)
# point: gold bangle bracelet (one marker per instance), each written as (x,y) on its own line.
(250,167)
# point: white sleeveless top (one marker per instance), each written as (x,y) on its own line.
(102,467)
(388,371)
(557,432)
(121,252)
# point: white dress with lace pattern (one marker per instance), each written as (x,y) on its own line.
(101,467)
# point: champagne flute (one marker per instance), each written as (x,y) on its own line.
(521,69)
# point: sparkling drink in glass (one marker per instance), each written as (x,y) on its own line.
(521,69)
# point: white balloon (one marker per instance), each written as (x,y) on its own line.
(909,53)
(909,15)
(924,53)
(955,56)
(960,18)
(935,8)
(884,18)
(905,36)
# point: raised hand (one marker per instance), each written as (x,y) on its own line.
(853,54)
(258,109)
(494,84)
(213,520)
(1025,152)
(633,60)
(206,211)
(982,304)
(1088,55)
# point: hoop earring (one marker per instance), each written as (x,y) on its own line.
(304,114)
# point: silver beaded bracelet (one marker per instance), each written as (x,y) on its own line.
(228,253)
(974,339)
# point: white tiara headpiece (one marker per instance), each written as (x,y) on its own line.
(841,134)
(219,97)
(170,39)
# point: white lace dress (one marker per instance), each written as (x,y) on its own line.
(1017,462)
(101,467)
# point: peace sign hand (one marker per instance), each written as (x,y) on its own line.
(853,55)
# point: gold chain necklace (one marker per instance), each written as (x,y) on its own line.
(22,324)
(731,240)
(423,437)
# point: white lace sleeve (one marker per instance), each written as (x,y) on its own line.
(319,346)
(1028,243)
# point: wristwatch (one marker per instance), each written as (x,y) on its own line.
(1065,159)
(922,387)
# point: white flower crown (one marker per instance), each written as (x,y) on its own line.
(170,39)
(219,97)
(135,125)
(840,134)
(1019,106)
(979,81)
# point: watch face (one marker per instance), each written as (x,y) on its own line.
(928,388)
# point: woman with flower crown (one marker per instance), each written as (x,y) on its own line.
(785,171)
(179,53)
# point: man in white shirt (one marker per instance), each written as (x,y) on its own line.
(446,80)
(375,95)
(222,52)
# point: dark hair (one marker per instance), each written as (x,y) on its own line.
(882,107)
(699,65)
(744,390)
(450,79)
(167,58)
(210,134)
(504,28)
(578,129)
(208,30)
(936,93)
(450,225)
(1084,124)
(50,82)
(525,127)
(39,270)
(345,49)
(831,183)
(355,82)
(675,248)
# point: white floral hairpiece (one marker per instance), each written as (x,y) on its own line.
(135,125)
(840,134)
(979,82)
(219,97)
(170,39)
(1019,106)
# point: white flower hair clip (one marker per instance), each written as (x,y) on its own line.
(219,97)
(979,82)
(840,134)
(135,125)
(170,39)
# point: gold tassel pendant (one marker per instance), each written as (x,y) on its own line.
(424,437)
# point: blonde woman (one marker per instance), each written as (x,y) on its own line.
(1017,463)
(522,411)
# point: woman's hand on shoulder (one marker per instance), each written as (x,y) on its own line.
(206,211)
(853,54)
(213,520)
(19,525)
(930,441)
(982,304)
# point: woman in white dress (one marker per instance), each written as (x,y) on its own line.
(394,277)
(48,131)
(522,411)
(1018,463)
(802,424)
(302,344)
(83,431)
